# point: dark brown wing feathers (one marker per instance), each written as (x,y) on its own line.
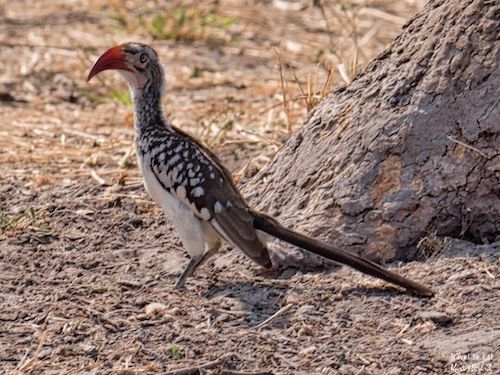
(234,222)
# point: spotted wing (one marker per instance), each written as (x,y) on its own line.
(195,175)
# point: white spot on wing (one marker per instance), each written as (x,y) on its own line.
(194,181)
(197,192)
(174,159)
(218,208)
(174,174)
(181,192)
(205,214)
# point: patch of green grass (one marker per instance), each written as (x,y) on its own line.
(175,353)
(121,96)
(158,24)
(189,24)
(196,72)
(95,99)
(29,220)
(119,19)
(180,23)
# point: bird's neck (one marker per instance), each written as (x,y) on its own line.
(148,109)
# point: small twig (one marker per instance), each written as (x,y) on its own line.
(124,160)
(328,81)
(303,94)
(136,198)
(129,283)
(238,313)
(491,108)
(377,13)
(94,137)
(101,181)
(283,90)
(265,139)
(240,142)
(109,266)
(298,98)
(281,311)
(30,363)
(489,273)
(467,146)
(196,370)
(354,66)
(343,73)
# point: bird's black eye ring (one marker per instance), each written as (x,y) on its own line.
(143,58)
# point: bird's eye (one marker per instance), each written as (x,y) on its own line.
(143,58)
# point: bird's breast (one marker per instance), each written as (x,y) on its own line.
(168,202)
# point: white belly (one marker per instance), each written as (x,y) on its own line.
(195,234)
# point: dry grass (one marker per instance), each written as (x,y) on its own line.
(430,246)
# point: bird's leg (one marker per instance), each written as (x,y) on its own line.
(193,265)
(206,256)
(187,271)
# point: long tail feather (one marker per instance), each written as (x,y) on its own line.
(272,227)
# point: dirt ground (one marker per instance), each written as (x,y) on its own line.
(87,260)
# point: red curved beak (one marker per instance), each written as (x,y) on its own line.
(113,58)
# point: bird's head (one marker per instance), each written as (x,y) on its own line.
(137,63)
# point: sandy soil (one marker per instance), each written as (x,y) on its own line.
(87,261)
